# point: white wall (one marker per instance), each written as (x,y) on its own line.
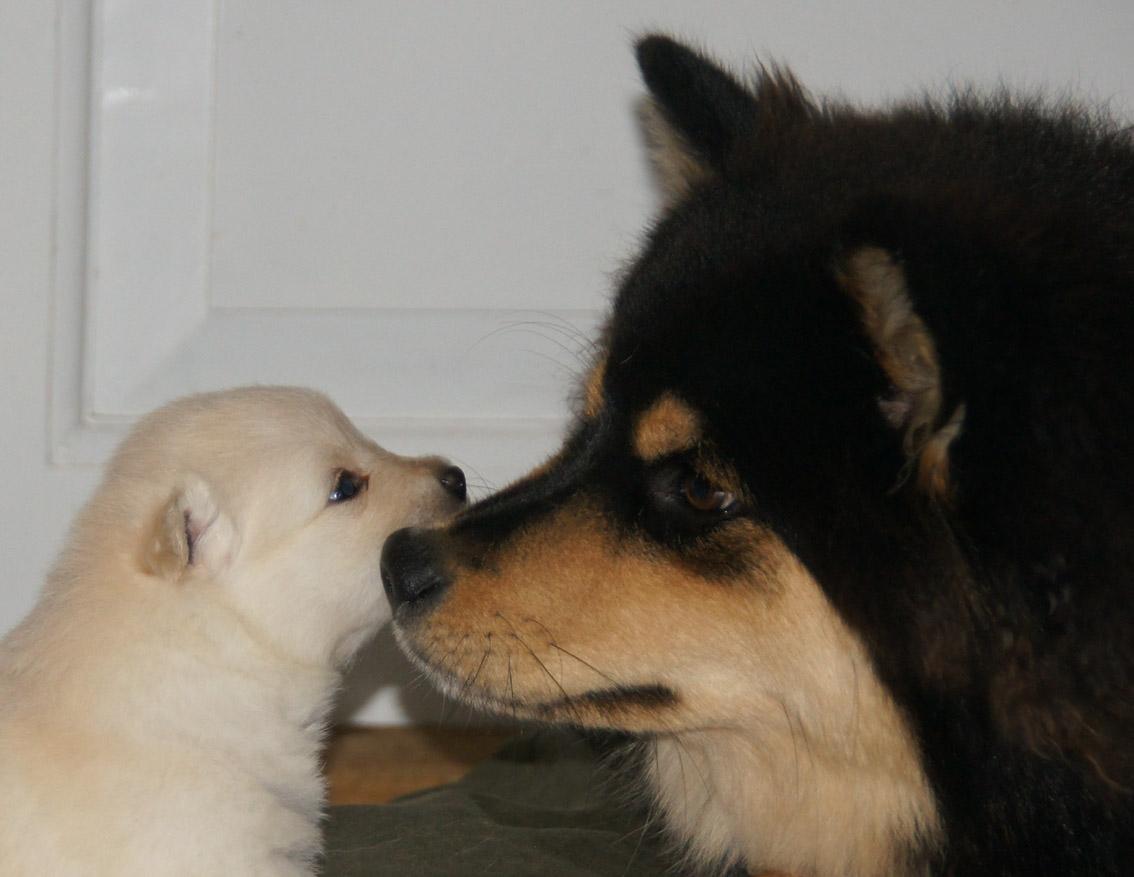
(414,206)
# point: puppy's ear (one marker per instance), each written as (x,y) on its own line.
(192,533)
(696,111)
(907,353)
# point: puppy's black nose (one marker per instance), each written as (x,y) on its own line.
(453,480)
(412,567)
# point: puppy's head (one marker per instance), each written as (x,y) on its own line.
(271,501)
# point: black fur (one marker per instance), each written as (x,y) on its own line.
(1003,624)
(1001,620)
(647,696)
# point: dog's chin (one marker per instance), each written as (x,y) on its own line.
(638,708)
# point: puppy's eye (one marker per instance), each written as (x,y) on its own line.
(704,496)
(348,485)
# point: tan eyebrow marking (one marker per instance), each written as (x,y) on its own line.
(667,426)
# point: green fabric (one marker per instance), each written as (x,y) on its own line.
(543,807)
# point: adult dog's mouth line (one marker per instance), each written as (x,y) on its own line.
(651,696)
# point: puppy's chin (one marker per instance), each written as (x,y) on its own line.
(356,638)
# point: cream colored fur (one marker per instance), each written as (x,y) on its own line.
(162,708)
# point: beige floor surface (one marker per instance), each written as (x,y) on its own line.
(375,765)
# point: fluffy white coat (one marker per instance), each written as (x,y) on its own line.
(162,708)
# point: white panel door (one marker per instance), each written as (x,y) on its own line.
(416,207)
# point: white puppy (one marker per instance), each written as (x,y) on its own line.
(162,708)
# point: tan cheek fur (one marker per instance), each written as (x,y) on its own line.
(817,774)
(503,635)
(782,744)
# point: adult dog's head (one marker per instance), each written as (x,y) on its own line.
(756,544)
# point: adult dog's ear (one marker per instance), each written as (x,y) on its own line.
(192,533)
(697,111)
(907,352)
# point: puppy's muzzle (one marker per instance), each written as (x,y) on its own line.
(412,567)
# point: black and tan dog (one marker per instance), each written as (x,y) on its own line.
(845,527)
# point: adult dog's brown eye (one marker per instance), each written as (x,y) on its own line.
(348,485)
(704,496)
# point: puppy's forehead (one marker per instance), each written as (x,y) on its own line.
(302,419)
(281,427)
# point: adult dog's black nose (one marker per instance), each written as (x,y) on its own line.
(412,568)
(453,480)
